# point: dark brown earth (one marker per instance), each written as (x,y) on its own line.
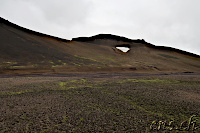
(28,52)
(49,84)
(99,102)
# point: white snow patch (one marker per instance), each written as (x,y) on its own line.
(123,49)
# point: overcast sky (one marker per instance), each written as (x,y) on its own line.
(173,23)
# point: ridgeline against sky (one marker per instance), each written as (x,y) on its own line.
(165,23)
(24,51)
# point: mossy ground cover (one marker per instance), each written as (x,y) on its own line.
(168,56)
(97,104)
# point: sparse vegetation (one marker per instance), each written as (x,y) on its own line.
(107,58)
(168,56)
(56,93)
(96,103)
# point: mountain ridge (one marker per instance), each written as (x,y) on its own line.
(98,36)
(26,51)
(124,39)
(4,21)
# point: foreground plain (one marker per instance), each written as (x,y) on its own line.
(97,102)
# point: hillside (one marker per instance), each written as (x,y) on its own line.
(23,51)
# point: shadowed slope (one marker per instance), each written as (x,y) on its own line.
(26,51)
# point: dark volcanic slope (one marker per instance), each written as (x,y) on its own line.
(124,39)
(20,47)
(26,51)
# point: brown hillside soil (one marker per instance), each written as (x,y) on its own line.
(23,51)
(98,102)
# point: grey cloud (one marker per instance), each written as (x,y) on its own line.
(170,23)
(52,17)
(65,11)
